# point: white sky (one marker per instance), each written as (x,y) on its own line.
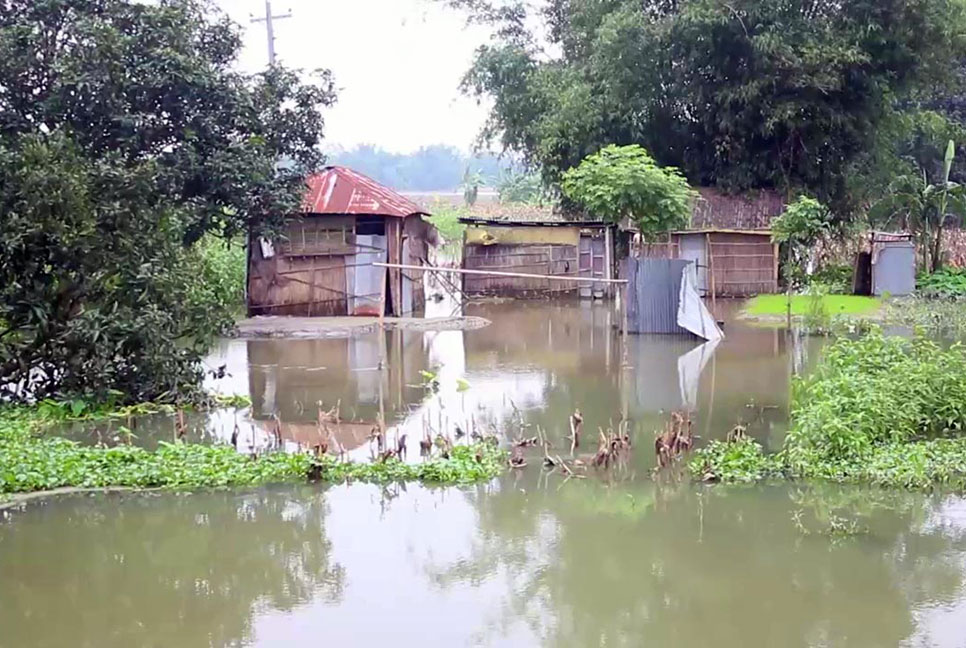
(397,64)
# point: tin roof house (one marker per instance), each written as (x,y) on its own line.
(323,263)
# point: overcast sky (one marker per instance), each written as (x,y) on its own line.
(397,64)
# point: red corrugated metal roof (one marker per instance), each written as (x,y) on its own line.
(338,190)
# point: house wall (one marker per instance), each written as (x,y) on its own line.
(537,250)
(306,274)
(321,268)
(741,265)
(731,264)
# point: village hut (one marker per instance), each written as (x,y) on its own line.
(729,240)
(537,241)
(323,263)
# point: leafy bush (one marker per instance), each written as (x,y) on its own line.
(742,460)
(220,267)
(817,317)
(948,283)
(802,224)
(837,278)
(877,409)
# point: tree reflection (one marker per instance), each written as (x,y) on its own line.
(162,570)
(637,564)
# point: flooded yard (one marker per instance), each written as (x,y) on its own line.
(528,559)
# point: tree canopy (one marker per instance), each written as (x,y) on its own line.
(125,137)
(624,182)
(743,94)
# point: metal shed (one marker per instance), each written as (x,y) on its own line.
(323,264)
(893,264)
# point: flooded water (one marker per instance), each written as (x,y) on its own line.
(528,559)
(533,366)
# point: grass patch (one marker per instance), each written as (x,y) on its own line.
(833,304)
(879,410)
(32,461)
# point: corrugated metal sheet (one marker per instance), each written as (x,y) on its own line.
(653,292)
(659,300)
(894,268)
(338,190)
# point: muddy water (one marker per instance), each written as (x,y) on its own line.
(533,366)
(529,559)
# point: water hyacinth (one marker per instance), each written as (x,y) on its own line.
(30,461)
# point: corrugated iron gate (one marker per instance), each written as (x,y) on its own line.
(653,292)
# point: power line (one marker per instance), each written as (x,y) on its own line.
(270,27)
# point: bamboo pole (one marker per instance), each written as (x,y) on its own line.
(498,274)
(714,296)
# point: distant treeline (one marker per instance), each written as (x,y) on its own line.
(431,168)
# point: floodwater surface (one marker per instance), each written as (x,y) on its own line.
(531,558)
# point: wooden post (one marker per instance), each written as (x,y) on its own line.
(382,296)
(608,257)
(714,292)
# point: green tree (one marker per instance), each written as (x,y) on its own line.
(924,208)
(125,138)
(624,182)
(799,228)
(742,94)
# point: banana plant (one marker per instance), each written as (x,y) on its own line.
(924,208)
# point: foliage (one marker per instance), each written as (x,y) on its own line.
(624,182)
(764,305)
(743,94)
(736,461)
(431,168)
(126,136)
(938,317)
(835,277)
(521,187)
(799,228)
(817,317)
(446,219)
(30,461)
(881,410)
(219,275)
(925,208)
(948,283)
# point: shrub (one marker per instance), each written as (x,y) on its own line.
(836,277)
(949,283)
(877,409)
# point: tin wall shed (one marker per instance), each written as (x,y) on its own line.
(893,268)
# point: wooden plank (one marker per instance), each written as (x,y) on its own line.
(499,274)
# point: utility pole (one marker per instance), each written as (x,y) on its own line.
(270,28)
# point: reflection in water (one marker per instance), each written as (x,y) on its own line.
(161,570)
(518,562)
(525,560)
(533,366)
